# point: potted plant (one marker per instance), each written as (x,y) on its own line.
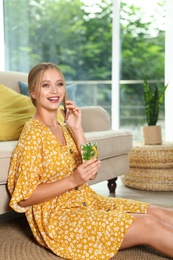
(153,99)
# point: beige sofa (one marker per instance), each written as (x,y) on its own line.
(114,146)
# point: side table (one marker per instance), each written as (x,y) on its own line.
(151,167)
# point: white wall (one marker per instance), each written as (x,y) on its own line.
(116,65)
(2,57)
(169,72)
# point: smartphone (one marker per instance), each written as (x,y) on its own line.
(66,111)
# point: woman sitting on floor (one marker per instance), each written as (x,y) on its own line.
(48,181)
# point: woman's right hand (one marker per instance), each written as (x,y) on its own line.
(86,171)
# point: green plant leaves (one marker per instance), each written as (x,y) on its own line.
(153,100)
(89,151)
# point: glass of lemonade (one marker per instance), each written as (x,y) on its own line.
(88,151)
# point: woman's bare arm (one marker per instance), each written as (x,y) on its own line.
(48,191)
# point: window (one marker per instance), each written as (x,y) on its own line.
(77,35)
(142,55)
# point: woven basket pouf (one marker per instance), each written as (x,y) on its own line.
(151,156)
(149,179)
(151,167)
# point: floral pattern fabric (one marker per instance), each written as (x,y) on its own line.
(78,224)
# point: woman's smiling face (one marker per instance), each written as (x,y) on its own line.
(50,90)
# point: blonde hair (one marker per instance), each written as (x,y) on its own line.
(36,73)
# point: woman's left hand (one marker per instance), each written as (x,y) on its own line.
(72,114)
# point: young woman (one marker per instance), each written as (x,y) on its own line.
(48,181)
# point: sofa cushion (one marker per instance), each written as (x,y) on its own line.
(23,88)
(6,149)
(95,118)
(11,78)
(15,110)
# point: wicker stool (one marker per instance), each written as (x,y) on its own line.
(151,167)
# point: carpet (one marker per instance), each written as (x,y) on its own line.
(17,243)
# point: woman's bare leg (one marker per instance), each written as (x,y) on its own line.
(164,214)
(149,230)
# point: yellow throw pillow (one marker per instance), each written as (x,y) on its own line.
(15,110)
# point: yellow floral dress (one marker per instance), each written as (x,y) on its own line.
(78,224)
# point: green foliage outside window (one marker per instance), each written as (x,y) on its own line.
(78,38)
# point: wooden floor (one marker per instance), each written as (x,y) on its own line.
(158,197)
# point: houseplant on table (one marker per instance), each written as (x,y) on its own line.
(153,99)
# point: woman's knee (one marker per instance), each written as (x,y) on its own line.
(154,210)
(151,222)
(147,221)
(141,231)
(147,224)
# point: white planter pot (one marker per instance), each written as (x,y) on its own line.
(152,134)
